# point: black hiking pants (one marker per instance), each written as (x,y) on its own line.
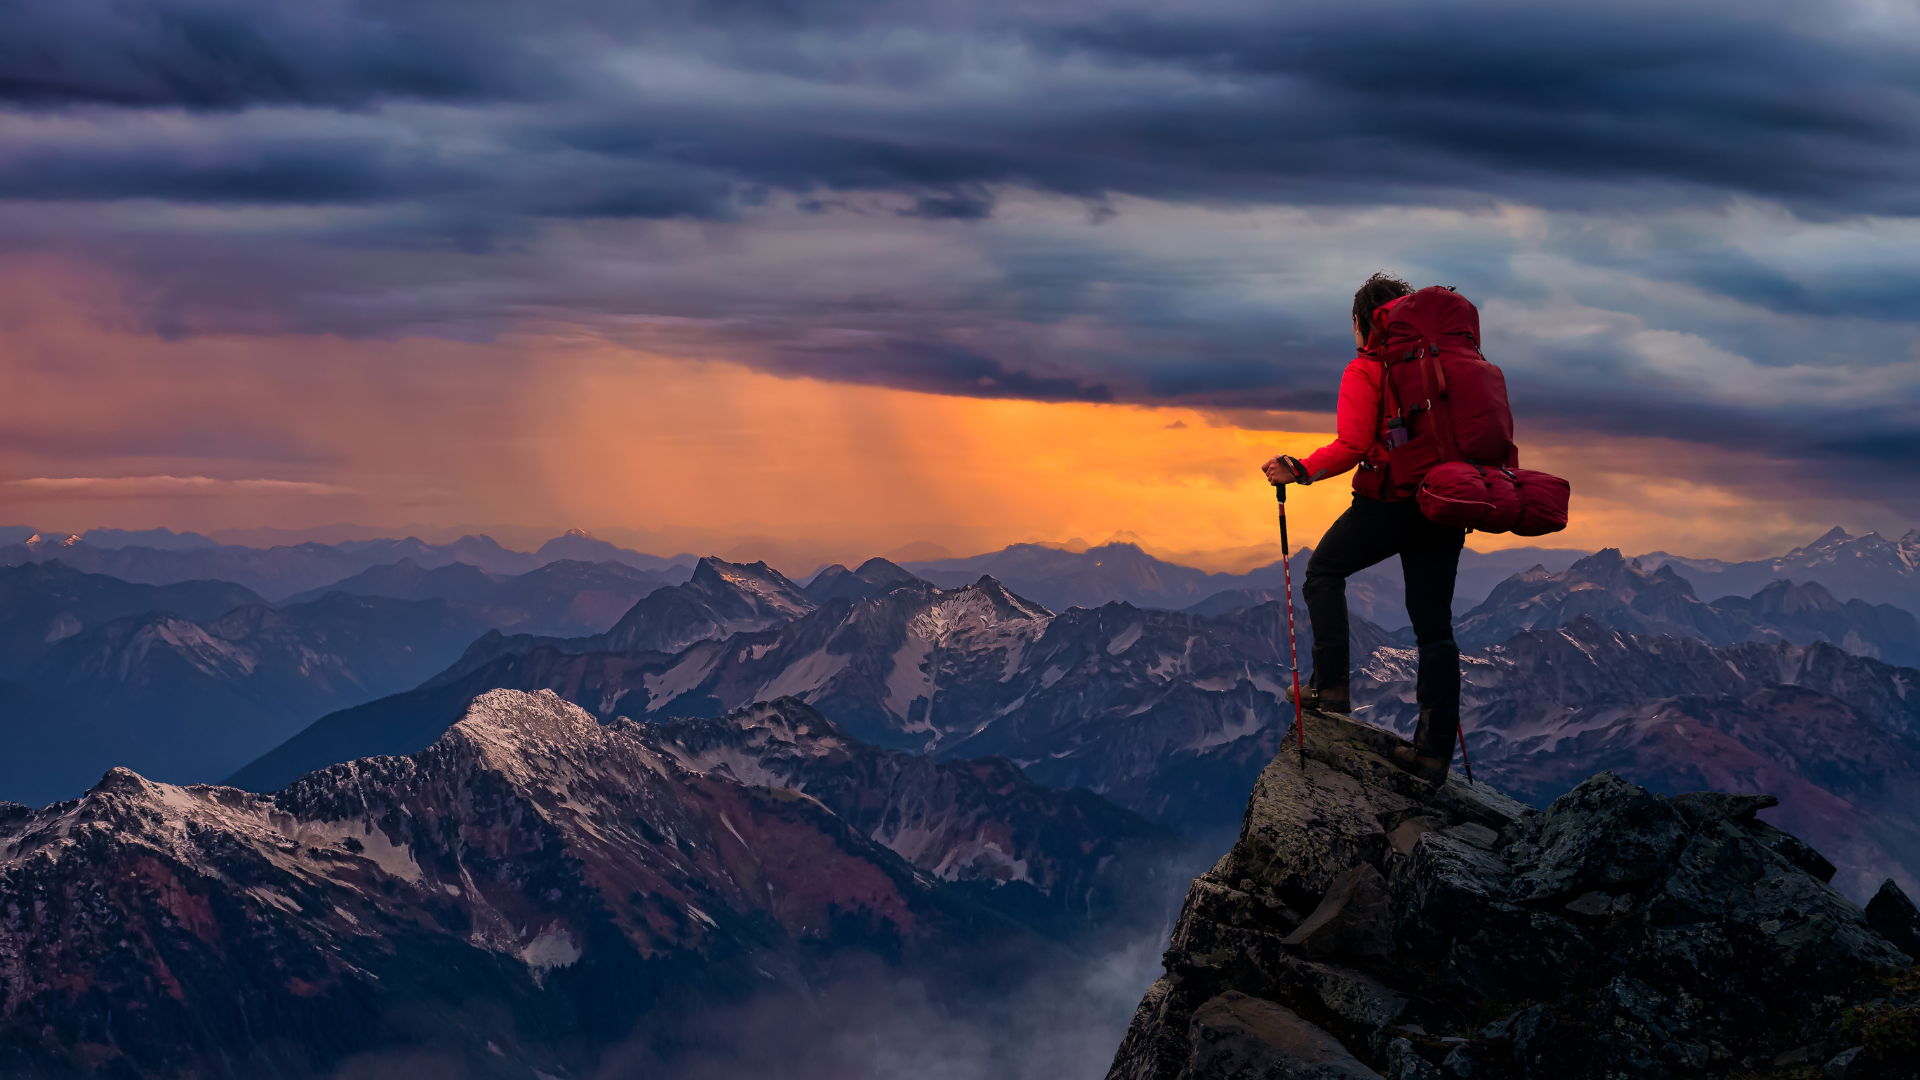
(1370,532)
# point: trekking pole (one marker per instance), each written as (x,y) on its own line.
(1293,652)
(1464,759)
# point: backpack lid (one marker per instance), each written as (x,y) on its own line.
(1425,316)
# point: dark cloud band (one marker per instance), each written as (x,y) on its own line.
(450,167)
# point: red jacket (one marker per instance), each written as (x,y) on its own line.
(1360,424)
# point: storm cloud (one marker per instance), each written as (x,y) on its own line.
(1687,221)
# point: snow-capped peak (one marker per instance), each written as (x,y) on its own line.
(512,731)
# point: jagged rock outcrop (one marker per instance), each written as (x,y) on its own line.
(1617,933)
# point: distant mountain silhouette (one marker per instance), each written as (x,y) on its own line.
(874,577)
(564,598)
(582,546)
(289,570)
(193,700)
(1870,567)
(1060,578)
(160,539)
(1621,595)
(47,602)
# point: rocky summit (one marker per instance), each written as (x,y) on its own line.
(1369,925)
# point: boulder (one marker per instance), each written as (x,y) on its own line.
(1894,917)
(1749,933)
(1840,1066)
(1354,996)
(1606,832)
(1404,1063)
(1460,1062)
(1236,1037)
(1305,828)
(1538,1045)
(1351,918)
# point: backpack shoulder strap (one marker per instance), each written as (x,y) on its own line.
(1434,380)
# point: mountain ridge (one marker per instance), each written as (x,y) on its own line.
(533,891)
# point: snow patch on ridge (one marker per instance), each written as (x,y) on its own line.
(911,677)
(553,948)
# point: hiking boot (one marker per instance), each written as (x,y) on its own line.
(1431,754)
(1328,699)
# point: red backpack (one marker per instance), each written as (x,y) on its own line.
(1449,434)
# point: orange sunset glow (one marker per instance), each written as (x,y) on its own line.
(557,426)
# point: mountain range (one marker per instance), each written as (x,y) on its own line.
(185,700)
(44,603)
(189,681)
(284,571)
(1621,594)
(566,597)
(1166,713)
(1159,711)
(1869,567)
(531,834)
(1060,579)
(1171,714)
(526,896)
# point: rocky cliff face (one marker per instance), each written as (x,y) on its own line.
(531,890)
(1368,925)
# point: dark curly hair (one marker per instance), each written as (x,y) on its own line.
(1379,289)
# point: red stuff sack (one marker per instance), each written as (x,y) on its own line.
(1543,502)
(1468,496)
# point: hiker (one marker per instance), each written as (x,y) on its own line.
(1380,524)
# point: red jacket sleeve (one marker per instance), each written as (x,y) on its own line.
(1356,422)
